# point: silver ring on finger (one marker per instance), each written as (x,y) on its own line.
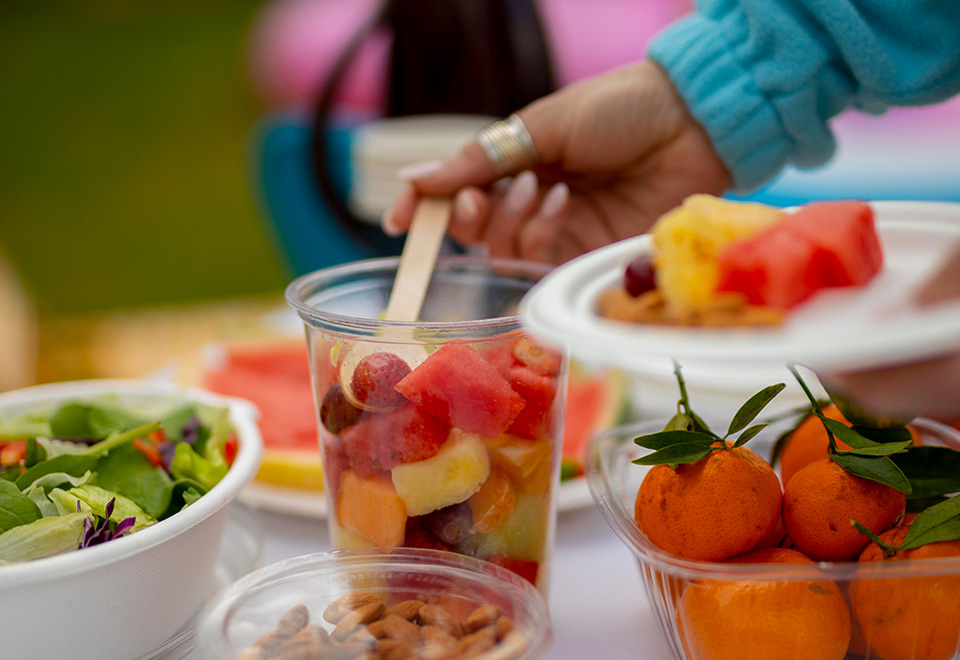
(508,146)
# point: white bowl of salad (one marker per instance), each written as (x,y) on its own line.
(113,501)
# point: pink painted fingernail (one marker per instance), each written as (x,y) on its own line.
(419,170)
(521,193)
(388,224)
(555,200)
(465,208)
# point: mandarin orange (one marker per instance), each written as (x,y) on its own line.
(808,443)
(822,499)
(914,617)
(762,619)
(717,507)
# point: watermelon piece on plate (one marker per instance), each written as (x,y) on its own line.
(457,385)
(380,441)
(847,247)
(772,269)
(821,245)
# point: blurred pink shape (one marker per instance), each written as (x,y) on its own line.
(588,38)
(294,44)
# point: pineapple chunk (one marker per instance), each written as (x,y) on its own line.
(689,238)
(452,475)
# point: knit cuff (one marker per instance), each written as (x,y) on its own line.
(720,93)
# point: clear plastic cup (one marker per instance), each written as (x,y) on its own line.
(444,433)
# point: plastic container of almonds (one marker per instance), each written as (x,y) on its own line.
(376,603)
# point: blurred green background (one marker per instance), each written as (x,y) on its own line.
(125,177)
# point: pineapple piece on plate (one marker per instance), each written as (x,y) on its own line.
(689,238)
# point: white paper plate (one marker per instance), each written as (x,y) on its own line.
(573,494)
(836,329)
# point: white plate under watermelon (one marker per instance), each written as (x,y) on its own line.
(849,328)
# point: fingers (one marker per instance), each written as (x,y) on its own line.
(396,220)
(461,175)
(536,239)
(509,212)
(471,206)
(469,167)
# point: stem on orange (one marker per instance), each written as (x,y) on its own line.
(815,406)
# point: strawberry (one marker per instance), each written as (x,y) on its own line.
(374,378)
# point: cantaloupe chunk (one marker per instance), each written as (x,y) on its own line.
(688,239)
(450,476)
(371,509)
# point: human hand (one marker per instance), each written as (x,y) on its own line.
(615,152)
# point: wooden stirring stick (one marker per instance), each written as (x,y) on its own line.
(418,258)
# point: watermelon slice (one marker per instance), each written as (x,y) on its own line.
(822,245)
(457,385)
(275,376)
(848,249)
(772,269)
(379,441)
(596,400)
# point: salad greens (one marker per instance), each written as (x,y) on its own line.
(85,473)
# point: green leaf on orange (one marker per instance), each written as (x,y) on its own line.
(885,449)
(748,434)
(673,455)
(664,439)
(876,468)
(940,522)
(753,407)
(891,434)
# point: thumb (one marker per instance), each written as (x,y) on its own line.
(469,167)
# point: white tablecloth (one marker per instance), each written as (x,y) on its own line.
(597,603)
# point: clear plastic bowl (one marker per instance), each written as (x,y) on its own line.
(252,606)
(614,480)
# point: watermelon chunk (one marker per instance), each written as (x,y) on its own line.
(845,238)
(822,245)
(457,385)
(379,441)
(538,393)
(772,270)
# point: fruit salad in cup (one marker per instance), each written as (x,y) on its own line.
(452,446)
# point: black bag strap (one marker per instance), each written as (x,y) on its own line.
(488,57)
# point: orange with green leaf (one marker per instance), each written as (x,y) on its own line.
(707,497)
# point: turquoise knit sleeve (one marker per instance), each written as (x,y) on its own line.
(764,77)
